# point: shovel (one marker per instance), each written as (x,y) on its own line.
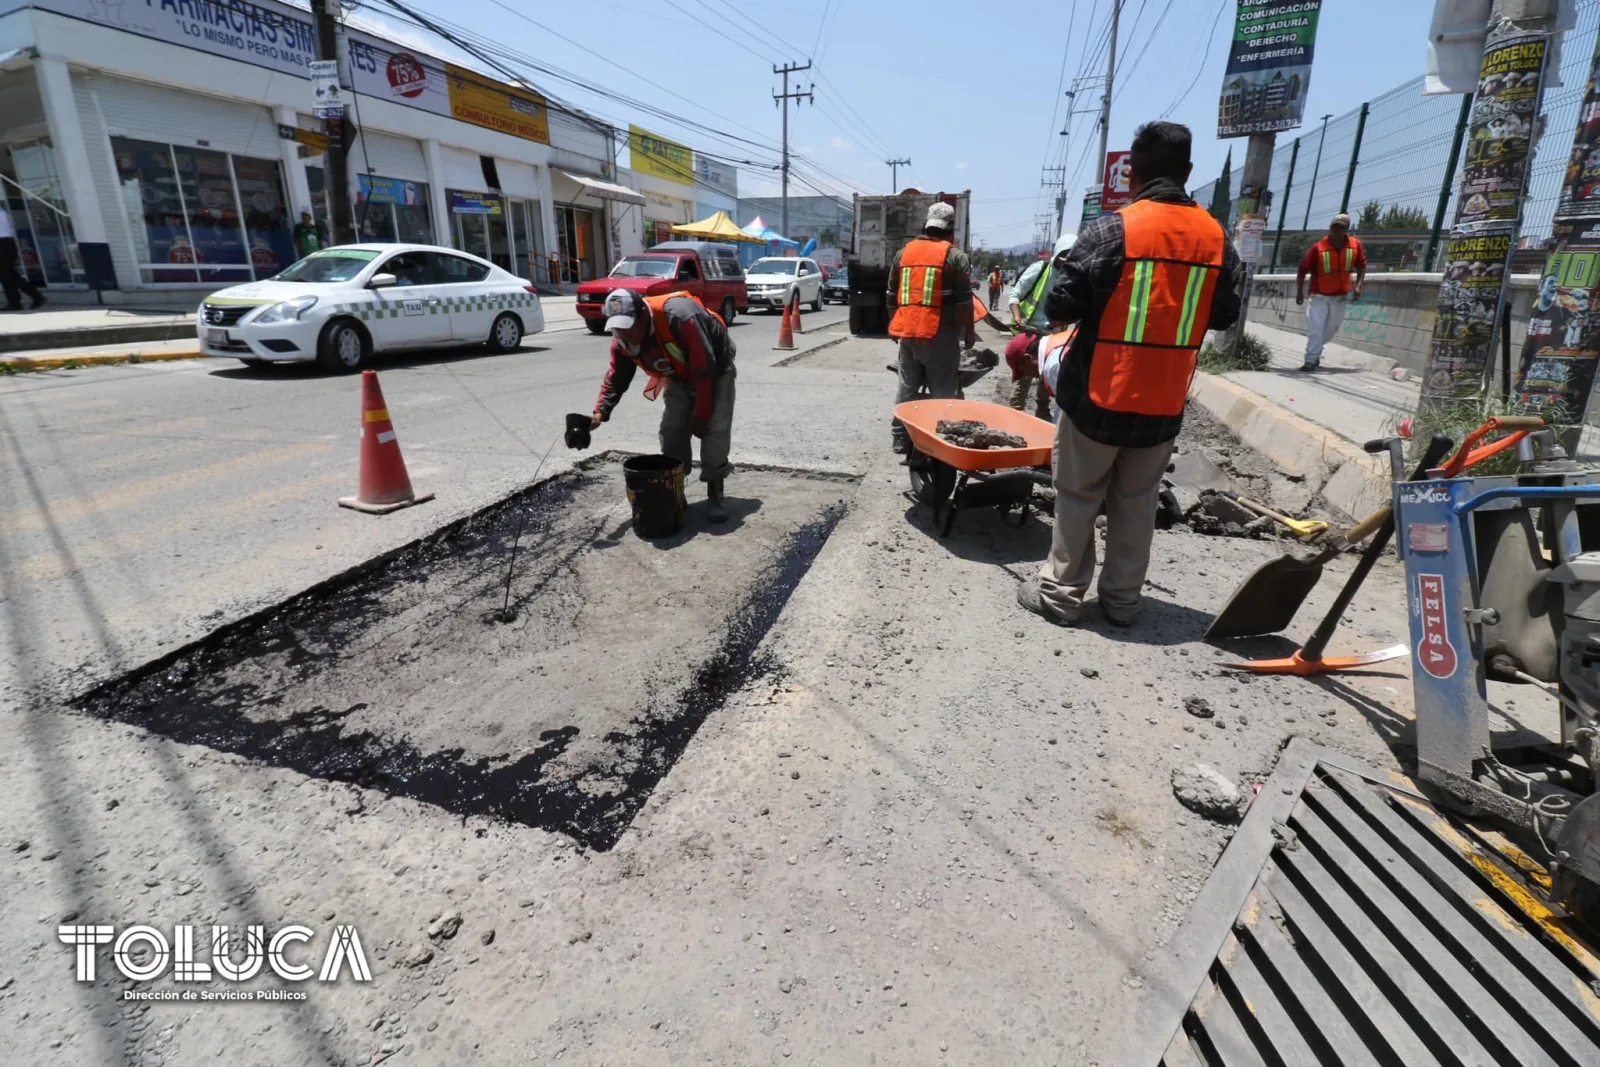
(1267,601)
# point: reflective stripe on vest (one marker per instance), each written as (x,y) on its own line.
(1151,329)
(1031,301)
(1330,276)
(920,289)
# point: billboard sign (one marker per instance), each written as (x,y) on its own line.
(1269,67)
(1091,207)
(659,157)
(1116,189)
(716,175)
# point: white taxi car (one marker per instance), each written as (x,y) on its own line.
(340,305)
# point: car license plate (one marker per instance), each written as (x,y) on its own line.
(216,337)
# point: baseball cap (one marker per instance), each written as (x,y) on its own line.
(622,306)
(1340,219)
(941,216)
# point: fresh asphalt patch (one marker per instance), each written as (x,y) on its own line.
(563,713)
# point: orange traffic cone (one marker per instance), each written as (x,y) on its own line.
(797,328)
(385,485)
(785,333)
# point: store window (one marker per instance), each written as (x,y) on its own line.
(31,186)
(202,216)
(390,209)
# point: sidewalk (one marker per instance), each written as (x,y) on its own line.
(1315,423)
(64,327)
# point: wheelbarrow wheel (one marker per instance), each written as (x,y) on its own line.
(931,480)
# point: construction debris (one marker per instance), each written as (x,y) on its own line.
(1205,791)
(970,433)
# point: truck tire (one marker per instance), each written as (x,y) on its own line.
(857,320)
(727,311)
(596,326)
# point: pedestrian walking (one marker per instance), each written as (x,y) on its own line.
(12,281)
(930,289)
(996,283)
(1144,284)
(1337,265)
(1028,315)
(685,349)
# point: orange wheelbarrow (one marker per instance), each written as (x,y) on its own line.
(948,477)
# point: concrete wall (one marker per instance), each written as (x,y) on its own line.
(1394,317)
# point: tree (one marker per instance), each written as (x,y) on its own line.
(1370,217)
(1404,218)
(1223,192)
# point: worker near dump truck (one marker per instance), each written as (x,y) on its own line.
(685,349)
(996,282)
(930,289)
(1337,266)
(1027,315)
(1144,284)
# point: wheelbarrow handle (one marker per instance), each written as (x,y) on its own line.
(1464,455)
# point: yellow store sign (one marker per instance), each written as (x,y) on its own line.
(659,157)
(492,105)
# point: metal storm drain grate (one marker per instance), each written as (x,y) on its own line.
(1352,922)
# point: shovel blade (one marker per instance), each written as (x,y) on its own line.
(1266,601)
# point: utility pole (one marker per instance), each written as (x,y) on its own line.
(1105,101)
(337,185)
(782,101)
(1254,199)
(1306,224)
(894,173)
(1055,178)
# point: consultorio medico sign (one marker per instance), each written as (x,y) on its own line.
(280,38)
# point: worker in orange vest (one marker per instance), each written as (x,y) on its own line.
(1144,284)
(1337,265)
(684,348)
(930,290)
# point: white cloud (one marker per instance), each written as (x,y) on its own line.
(961,166)
(840,143)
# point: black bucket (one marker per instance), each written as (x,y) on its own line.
(578,431)
(655,489)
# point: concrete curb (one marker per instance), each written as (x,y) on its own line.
(84,337)
(24,363)
(1349,479)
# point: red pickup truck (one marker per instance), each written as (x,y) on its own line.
(711,272)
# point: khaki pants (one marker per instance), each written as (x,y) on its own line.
(1128,481)
(1324,316)
(1041,402)
(934,364)
(677,426)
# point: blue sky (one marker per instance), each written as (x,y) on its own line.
(966,92)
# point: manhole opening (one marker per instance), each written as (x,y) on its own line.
(402,676)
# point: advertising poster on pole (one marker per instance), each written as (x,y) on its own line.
(1091,207)
(1580,189)
(1498,138)
(1269,67)
(1469,297)
(1117,182)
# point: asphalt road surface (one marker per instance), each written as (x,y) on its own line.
(916,826)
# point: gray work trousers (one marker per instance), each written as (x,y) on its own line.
(1128,481)
(1041,400)
(934,364)
(677,426)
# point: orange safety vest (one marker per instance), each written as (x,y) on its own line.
(1333,269)
(920,289)
(671,361)
(1151,329)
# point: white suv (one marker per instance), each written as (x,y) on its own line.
(773,282)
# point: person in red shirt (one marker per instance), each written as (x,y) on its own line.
(1337,266)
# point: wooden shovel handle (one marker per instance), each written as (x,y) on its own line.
(1367,526)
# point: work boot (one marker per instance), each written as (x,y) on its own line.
(1030,596)
(715,511)
(38,301)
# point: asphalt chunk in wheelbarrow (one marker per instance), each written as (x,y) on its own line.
(970,433)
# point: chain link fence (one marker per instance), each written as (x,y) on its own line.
(1397,170)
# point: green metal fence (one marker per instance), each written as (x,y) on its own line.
(1397,152)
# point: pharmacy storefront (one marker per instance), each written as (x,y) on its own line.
(158,144)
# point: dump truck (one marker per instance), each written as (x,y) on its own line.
(883,226)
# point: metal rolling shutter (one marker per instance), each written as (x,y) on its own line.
(462,169)
(155,113)
(389,156)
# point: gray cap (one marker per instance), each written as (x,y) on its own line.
(622,307)
(941,216)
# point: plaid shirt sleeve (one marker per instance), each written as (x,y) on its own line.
(1086,280)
